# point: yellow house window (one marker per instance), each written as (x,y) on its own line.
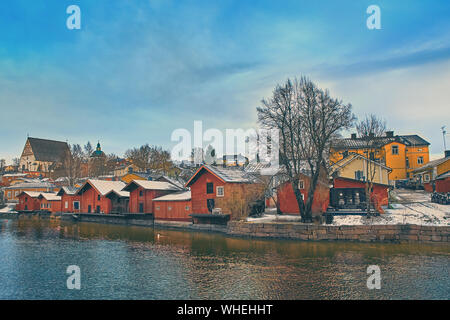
(420,160)
(426,178)
(394,150)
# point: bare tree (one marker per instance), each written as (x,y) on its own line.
(72,164)
(369,130)
(149,157)
(307,118)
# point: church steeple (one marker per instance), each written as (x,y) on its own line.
(98,151)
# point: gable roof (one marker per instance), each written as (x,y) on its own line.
(32,185)
(31,194)
(432,164)
(48,150)
(229,175)
(67,190)
(176,196)
(121,194)
(150,185)
(102,186)
(49,196)
(350,158)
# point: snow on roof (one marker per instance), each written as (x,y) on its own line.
(50,196)
(32,194)
(124,194)
(32,185)
(67,190)
(104,186)
(15,175)
(177,196)
(152,185)
(227,174)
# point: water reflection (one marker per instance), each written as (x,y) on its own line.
(142,263)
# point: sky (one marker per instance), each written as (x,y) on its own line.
(138,70)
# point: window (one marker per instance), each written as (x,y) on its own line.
(187,208)
(98,197)
(301,184)
(420,160)
(16,193)
(141,193)
(76,205)
(426,177)
(407,162)
(66,204)
(9,194)
(26,199)
(359,175)
(395,150)
(157,208)
(169,208)
(209,187)
(220,191)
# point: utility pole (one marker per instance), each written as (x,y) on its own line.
(443,136)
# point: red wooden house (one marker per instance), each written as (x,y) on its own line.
(216,187)
(70,200)
(49,202)
(142,193)
(379,195)
(288,202)
(28,201)
(443,183)
(174,206)
(94,195)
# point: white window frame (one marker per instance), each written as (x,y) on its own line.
(421,160)
(78,205)
(66,204)
(157,208)
(301,184)
(426,177)
(187,208)
(169,208)
(218,194)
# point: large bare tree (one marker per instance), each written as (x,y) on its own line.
(307,118)
(369,130)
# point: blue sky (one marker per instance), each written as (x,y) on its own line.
(137,70)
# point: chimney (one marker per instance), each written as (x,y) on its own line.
(224,161)
(236,160)
(353,136)
(447,153)
(389,134)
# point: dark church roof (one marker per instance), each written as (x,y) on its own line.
(48,150)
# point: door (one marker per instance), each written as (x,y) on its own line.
(141,207)
(89,209)
(210,204)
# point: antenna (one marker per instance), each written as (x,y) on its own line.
(443,136)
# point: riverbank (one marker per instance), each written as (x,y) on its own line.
(290,230)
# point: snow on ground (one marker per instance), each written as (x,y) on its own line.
(415,213)
(413,207)
(9,208)
(410,207)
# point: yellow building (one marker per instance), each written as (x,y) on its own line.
(430,171)
(402,154)
(358,167)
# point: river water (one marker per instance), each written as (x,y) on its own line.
(121,262)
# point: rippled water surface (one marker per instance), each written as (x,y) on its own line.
(119,262)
